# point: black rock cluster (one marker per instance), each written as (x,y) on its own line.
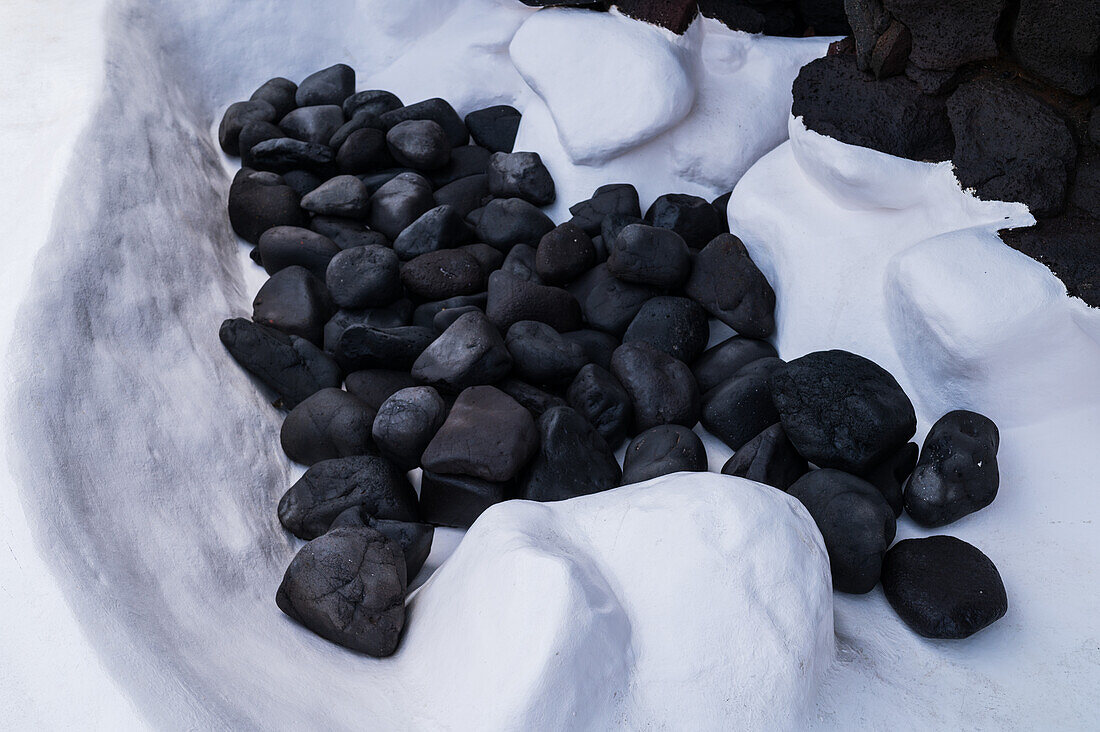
(1007,91)
(422,311)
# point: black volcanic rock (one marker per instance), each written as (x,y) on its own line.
(279,93)
(540,355)
(661,388)
(344,195)
(509,221)
(890,475)
(661,450)
(286,246)
(290,366)
(366,347)
(258,201)
(572,459)
(609,304)
(328,86)
(487,435)
(443,274)
(375,101)
(943,587)
(727,358)
(768,458)
(420,144)
(564,254)
(406,423)
(399,202)
(646,255)
(284,154)
(512,299)
(465,194)
(726,282)
(676,325)
(599,397)
(890,115)
(437,110)
(494,128)
(842,411)
(438,228)
(957,471)
(329,424)
(741,407)
(348,586)
(457,500)
(330,487)
(236,116)
(363,151)
(364,277)
(855,522)
(295,302)
(948,35)
(469,353)
(313,124)
(520,175)
(612,199)
(692,217)
(375,386)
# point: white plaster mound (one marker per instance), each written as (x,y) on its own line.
(891,259)
(141,466)
(693,601)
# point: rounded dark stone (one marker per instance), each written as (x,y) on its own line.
(465,194)
(406,423)
(446,317)
(533,399)
(662,450)
(943,587)
(613,199)
(564,254)
(676,325)
(236,116)
(726,282)
(727,358)
(443,274)
(363,151)
(414,537)
(329,424)
(572,459)
(521,263)
(259,201)
(393,315)
(313,124)
(457,500)
(437,110)
(692,217)
(855,521)
(768,458)
(741,407)
(842,411)
(890,476)
(375,386)
(327,86)
(647,255)
(302,181)
(285,154)
(285,246)
(661,388)
(438,228)
(487,435)
(541,355)
(279,93)
(399,202)
(294,301)
(375,101)
(597,345)
(494,128)
(344,195)
(613,224)
(364,346)
(251,135)
(290,366)
(419,144)
(508,221)
(465,161)
(364,277)
(609,304)
(512,299)
(361,121)
(330,487)
(348,586)
(469,353)
(957,471)
(520,175)
(425,313)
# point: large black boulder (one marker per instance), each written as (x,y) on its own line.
(948,35)
(842,411)
(348,586)
(487,435)
(661,388)
(661,450)
(1060,41)
(943,587)
(373,484)
(364,150)
(855,522)
(1010,146)
(466,194)
(329,424)
(284,154)
(572,459)
(957,471)
(290,366)
(892,115)
(726,282)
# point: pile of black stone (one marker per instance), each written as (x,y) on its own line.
(1007,90)
(423,312)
